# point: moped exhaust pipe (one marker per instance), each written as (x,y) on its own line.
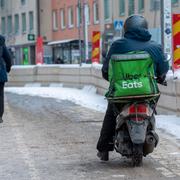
(151,142)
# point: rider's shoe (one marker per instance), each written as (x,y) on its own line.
(103,155)
(1,120)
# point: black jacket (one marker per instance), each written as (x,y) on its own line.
(5,60)
(138,40)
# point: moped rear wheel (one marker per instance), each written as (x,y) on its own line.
(137,160)
(137,156)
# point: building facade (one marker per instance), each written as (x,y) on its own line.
(18,23)
(21,22)
(68,26)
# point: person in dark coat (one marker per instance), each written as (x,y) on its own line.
(5,67)
(136,38)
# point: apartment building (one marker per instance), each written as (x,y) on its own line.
(21,22)
(17,22)
(68,27)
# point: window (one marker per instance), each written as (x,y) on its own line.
(174,2)
(87,13)
(106,9)
(16,24)
(55,21)
(23,22)
(2,3)
(154,5)
(9,24)
(79,15)
(31,21)
(70,17)
(131,7)
(96,12)
(141,6)
(62,14)
(121,7)
(23,2)
(3,25)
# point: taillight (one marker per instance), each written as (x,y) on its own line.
(138,108)
(138,111)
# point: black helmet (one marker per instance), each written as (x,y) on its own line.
(135,21)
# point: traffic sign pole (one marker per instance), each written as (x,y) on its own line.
(166,29)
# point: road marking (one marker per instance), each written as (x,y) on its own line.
(118,176)
(175,153)
(168,156)
(166,172)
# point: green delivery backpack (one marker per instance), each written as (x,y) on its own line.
(131,75)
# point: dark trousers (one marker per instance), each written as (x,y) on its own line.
(105,142)
(1,99)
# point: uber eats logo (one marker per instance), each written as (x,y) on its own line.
(130,81)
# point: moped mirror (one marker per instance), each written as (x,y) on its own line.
(167,57)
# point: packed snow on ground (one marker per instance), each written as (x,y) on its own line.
(173,74)
(87,97)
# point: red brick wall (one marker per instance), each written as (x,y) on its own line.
(72,33)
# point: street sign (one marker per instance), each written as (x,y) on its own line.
(167,29)
(31,37)
(176,40)
(96,46)
(118,25)
(39,50)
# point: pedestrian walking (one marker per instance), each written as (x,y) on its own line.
(5,67)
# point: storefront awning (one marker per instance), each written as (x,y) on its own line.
(61,41)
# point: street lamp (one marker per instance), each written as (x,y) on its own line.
(79,30)
(85,29)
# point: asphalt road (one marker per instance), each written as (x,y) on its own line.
(45,139)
